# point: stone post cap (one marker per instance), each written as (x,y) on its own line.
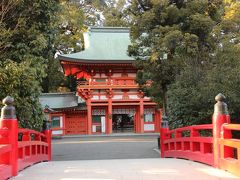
(164,122)
(220,107)
(8,111)
(46,125)
(220,97)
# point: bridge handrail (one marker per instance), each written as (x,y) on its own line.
(29,132)
(20,148)
(221,150)
(229,149)
(193,147)
(226,126)
(192,128)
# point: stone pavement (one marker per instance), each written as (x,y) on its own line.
(123,169)
(102,148)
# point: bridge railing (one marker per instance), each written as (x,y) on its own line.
(212,144)
(229,149)
(20,148)
(189,143)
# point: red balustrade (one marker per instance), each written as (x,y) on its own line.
(33,147)
(229,149)
(20,148)
(219,148)
(82,83)
(189,143)
(112,82)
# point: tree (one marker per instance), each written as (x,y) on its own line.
(20,81)
(70,28)
(117,15)
(191,96)
(166,34)
(26,44)
(67,38)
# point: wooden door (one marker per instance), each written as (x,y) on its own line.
(76,124)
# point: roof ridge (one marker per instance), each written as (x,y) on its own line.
(109,29)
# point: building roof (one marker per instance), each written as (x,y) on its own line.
(103,44)
(59,100)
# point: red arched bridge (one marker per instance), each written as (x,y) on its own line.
(20,148)
(211,144)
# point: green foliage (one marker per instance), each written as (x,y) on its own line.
(190,52)
(70,28)
(27,34)
(164,33)
(20,81)
(117,15)
(191,96)
(191,100)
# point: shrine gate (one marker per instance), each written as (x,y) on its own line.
(106,82)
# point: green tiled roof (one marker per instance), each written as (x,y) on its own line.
(103,44)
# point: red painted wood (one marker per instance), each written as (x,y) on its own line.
(16,155)
(141,116)
(217,151)
(109,117)
(194,147)
(11,158)
(75,124)
(228,160)
(120,82)
(218,120)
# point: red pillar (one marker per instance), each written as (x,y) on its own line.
(136,120)
(89,116)
(48,133)
(8,120)
(157,120)
(220,117)
(109,118)
(64,123)
(141,112)
(163,136)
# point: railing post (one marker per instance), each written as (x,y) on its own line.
(8,120)
(48,133)
(163,134)
(220,117)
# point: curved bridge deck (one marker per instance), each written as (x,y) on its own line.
(127,169)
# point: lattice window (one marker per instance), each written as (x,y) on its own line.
(98,112)
(124,111)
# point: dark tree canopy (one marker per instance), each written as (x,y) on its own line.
(179,47)
(27,34)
